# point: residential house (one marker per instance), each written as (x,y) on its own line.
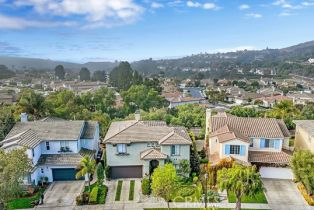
(260,141)
(304,135)
(134,148)
(55,146)
(270,101)
(301,97)
(269,91)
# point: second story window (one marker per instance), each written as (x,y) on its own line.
(33,152)
(175,150)
(121,148)
(47,145)
(64,146)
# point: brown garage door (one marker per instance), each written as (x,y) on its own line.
(126,172)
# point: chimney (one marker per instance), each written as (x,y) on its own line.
(137,115)
(24,117)
(208,116)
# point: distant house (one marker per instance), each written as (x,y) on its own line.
(134,148)
(239,96)
(304,135)
(55,146)
(301,98)
(269,91)
(270,101)
(260,141)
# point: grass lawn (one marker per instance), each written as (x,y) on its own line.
(23,203)
(102,192)
(118,192)
(131,191)
(258,198)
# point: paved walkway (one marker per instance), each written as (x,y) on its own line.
(124,198)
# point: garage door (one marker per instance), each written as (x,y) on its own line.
(276,173)
(126,172)
(63,174)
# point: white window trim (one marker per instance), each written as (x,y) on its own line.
(121,148)
(176,150)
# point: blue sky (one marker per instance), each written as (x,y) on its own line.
(102,30)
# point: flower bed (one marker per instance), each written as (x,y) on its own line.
(309,198)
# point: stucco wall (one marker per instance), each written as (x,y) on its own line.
(214,146)
(303,140)
(184,153)
(37,153)
(55,147)
(256,146)
(234,142)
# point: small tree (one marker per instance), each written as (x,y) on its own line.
(302,165)
(241,181)
(100,173)
(88,166)
(184,168)
(164,181)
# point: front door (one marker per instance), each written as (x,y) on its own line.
(152,165)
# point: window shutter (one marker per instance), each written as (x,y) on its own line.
(277,143)
(242,150)
(262,143)
(227,149)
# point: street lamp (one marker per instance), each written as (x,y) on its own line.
(206,178)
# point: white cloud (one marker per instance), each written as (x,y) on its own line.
(244,7)
(207,5)
(307,4)
(286,13)
(156,5)
(286,5)
(8,22)
(193,4)
(254,15)
(93,10)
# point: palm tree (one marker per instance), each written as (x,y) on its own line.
(87,166)
(32,103)
(240,180)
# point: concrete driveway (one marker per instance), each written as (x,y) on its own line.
(62,193)
(284,194)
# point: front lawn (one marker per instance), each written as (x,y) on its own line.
(23,203)
(258,198)
(119,189)
(131,191)
(195,209)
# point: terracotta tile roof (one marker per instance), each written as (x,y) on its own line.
(152,154)
(146,131)
(226,133)
(269,157)
(250,127)
(276,98)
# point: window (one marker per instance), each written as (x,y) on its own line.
(251,142)
(269,143)
(235,149)
(121,148)
(64,146)
(33,152)
(42,170)
(47,145)
(152,144)
(175,150)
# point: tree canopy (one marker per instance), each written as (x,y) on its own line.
(84,74)
(123,76)
(240,180)
(13,165)
(5,73)
(60,72)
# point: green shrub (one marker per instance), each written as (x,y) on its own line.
(186,191)
(93,195)
(213,196)
(107,172)
(79,200)
(204,161)
(131,191)
(146,186)
(195,180)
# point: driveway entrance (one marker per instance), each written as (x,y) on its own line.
(62,193)
(284,194)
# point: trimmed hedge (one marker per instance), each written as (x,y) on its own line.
(93,195)
(146,186)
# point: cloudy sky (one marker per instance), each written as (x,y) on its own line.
(102,30)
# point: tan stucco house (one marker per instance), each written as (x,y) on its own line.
(260,141)
(135,147)
(304,135)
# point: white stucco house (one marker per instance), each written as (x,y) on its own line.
(55,146)
(134,148)
(260,141)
